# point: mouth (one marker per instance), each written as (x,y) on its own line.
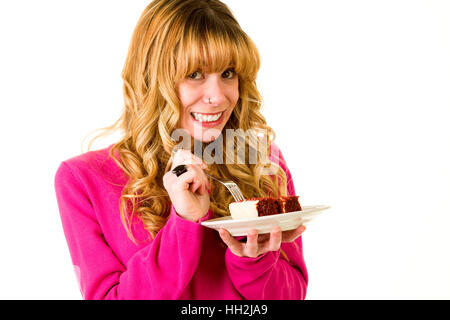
(208,119)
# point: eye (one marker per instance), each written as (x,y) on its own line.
(229,74)
(197,75)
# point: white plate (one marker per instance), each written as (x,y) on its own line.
(286,221)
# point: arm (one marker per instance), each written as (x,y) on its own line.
(270,276)
(160,270)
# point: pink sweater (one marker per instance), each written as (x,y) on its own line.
(184,260)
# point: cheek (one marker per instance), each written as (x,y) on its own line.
(183,95)
(186,95)
(233,94)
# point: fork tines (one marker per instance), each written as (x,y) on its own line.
(232,187)
(235,191)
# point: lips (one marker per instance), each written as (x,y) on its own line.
(207,119)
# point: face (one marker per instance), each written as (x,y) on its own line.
(207,101)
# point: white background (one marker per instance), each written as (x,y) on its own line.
(357,91)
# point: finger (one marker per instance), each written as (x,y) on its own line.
(186,157)
(275,239)
(199,186)
(292,235)
(235,246)
(195,185)
(201,189)
(201,179)
(169,179)
(251,247)
(185,181)
(272,243)
(191,180)
(206,184)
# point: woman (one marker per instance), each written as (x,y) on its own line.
(132,223)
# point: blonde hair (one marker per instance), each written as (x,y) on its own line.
(174,38)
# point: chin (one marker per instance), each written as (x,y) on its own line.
(208,136)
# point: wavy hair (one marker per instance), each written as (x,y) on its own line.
(174,38)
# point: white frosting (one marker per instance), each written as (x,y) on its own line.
(244,209)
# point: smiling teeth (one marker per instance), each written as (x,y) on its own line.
(205,118)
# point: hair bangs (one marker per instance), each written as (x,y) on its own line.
(214,46)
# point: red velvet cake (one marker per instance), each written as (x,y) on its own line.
(259,207)
(290,204)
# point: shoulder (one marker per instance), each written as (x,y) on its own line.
(277,157)
(89,158)
(90,167)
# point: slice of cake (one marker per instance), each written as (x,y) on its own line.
(290,204)
(259,207)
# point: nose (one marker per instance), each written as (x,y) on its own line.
(214,90)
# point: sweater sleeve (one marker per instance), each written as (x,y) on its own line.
(270,276)
(159,270)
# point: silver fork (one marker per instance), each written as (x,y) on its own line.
(232,187)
